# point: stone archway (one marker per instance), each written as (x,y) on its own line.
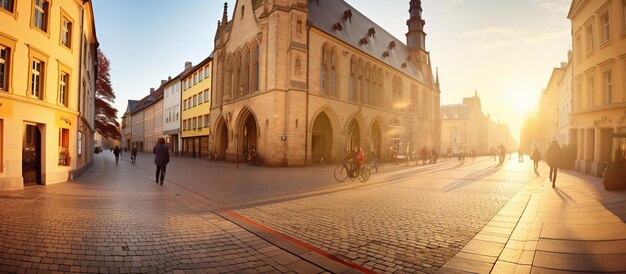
(221,145)
(321,138)
(247,133)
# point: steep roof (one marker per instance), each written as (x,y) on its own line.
(362,33)
(132,104)
(458,111)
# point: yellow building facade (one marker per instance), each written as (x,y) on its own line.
(48,60)
(599,79)
(298,79)
(196,107)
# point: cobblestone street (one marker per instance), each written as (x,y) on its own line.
(441,217)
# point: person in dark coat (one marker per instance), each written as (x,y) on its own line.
(116,151)
(553,157)
(133,154)
(161,158)
(536,157)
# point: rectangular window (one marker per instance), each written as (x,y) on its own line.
(64,147)
(188,103)
(80,143)
(592,92)
(195,100)
(206,95)
(195,79)
(4,68)
(36,80)
(176,112)
(606,27)
(200,98)
(608,86)
(7,5)
(40,14)
(195,123)
(188,124)
(200,73)
(63,88)
(199,122)
(185,104)
(1,142)
(66,30)
(590,38)
(206,120)
(207,72)
(184,125)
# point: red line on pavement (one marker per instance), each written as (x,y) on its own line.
(295,241)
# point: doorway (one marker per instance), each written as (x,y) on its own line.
(31,155)
(321,138)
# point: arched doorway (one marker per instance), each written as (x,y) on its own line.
(353,135)
(375,146)
(248,134)
(221,145)
(31,155)
(321,138)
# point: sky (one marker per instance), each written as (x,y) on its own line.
(505,50)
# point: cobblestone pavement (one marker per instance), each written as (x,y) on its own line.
(116,220)
(412,221)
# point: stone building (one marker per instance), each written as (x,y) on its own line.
(599,79)
(48,68)
(464,126)
(299,78)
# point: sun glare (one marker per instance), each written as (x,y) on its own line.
(521,98)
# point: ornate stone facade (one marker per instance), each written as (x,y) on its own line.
(297,79)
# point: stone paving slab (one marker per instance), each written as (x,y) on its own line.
(582,247)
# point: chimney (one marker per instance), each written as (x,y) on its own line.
(151,90)
(169,78)
(187,65)
(163,82)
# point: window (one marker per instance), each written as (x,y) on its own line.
(590,38)
(185,104)
(1,142)
(199,122)
(7,5)
(246,73)
(206,120)
(206,72)
(64,147)
(352,83)
(40,15)
(176,112)
(592,92)
(80,143)
(206,95)
(195,100)
(36,82)
(578,48)
(331,88)
(66,30)
(185,125)
(608,86)
(195,78)
(200,98)
(64,79)
(323,72)
(195,123)
(5,67)
(188,124)
(606,26)
(200,75)
(255,71)
(37,77)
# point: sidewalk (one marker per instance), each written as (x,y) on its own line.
(575,227)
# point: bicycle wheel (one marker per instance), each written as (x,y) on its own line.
(341,173)
(364,174)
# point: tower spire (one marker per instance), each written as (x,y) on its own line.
(225,15)
(437,77)
(416,37)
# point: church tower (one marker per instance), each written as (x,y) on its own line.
(416,37)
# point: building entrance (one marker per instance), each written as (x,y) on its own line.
(321,138)
(31,155)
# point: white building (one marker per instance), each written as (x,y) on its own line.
(171,111)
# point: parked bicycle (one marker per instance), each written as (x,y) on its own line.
(348,170)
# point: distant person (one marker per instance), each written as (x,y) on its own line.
(133,154)
(461,156)
(161,158)
(116,152)
(501,153)
(520,155)
(536,157)
(424,155)
(360,159)
(553,157)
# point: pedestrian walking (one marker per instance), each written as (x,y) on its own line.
(161,158)
(553,157)
(520,155)
(536,156)
(116,152)
(424,155)
(133,154)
